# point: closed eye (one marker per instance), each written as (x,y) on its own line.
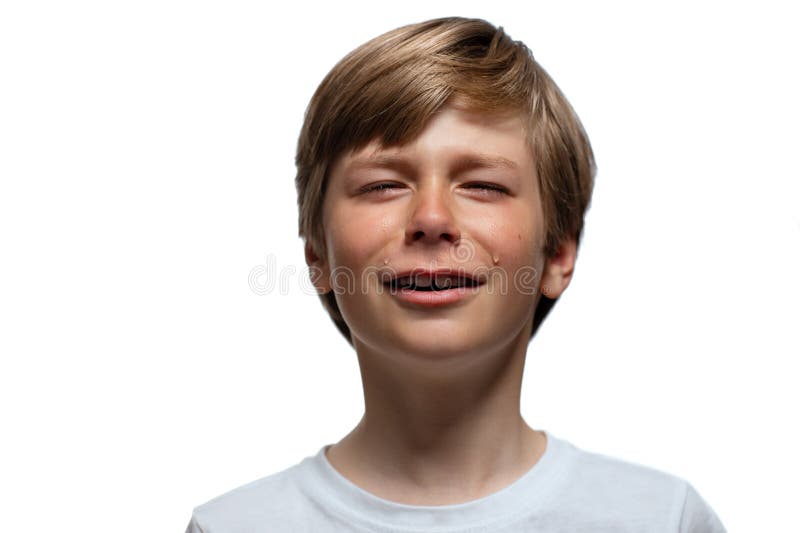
(378,187)
(484,188)
(488,188)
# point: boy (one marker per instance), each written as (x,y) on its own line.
(442,185)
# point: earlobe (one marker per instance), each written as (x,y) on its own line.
(558,269)
(317,270)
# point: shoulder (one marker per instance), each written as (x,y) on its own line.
(597,485)
(617,481)
(272,499)
(630,478)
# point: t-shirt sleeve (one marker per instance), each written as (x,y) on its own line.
(193,526)
(698,516)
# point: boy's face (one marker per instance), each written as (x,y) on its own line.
(438,210)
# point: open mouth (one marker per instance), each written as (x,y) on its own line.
(428,283)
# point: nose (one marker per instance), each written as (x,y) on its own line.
(432,218)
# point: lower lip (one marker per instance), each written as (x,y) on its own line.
(434,298)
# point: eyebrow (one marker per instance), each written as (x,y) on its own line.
(462,163)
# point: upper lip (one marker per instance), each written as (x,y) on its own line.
(422,272)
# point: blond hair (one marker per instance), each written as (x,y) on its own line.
(388,89)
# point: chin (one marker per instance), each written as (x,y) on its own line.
(437,344)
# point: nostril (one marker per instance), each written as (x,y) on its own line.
(449,237)
(417,235)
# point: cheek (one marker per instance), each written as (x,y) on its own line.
(518,244)
(356,237)
(515,238)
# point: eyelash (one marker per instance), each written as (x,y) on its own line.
(378,187)
(487,187)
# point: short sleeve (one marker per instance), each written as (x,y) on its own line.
(193,527)
(697,515)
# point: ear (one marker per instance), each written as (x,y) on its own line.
(558,269)
(318,270)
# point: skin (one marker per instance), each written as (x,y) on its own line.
(442,422)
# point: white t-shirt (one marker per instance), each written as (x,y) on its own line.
(567,490)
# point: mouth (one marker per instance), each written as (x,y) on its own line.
(432,283)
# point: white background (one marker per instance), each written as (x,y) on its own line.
(147,163)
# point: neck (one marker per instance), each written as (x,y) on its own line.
(441,431)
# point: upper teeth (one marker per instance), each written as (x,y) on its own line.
(425,280)
(421,281)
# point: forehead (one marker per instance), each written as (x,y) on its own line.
(453,136)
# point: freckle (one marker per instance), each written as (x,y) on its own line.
(519,237)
